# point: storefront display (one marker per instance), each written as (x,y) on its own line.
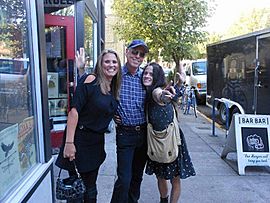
(18,120)
(60,49)
(37,82)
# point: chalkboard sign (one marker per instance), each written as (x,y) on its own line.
(254,139)
(249,137)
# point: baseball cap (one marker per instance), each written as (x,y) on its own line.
(138,42)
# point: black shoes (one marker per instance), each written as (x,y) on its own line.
(164,200)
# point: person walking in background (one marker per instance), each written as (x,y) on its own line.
(160,111)
(95,103)
(179,86)
(131,127)
(190,100)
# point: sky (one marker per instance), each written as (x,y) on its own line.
(108,4)
(226,13)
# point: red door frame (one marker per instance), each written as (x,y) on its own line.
(68,23)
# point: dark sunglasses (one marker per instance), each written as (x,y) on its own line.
(136,52)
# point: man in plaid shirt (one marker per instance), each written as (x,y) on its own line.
(131,127)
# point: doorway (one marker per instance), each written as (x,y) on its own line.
(60,53)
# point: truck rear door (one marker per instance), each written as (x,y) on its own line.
(263,82)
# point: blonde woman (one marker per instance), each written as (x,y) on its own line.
(95,102)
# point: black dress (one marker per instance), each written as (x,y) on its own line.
(95,111)
(160,117)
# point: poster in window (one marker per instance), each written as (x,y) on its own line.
(62,78)
(57,107)
(48,49)
(9,158)
(26,144)
(255,139)
(53,87)
(56,42)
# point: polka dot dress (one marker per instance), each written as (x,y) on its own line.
(160,117)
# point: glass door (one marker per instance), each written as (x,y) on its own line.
(60,53)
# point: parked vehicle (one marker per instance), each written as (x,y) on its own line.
(196,77)
(238,74)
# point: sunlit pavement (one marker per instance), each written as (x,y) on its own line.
(217,180)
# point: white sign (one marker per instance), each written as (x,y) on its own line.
(9,158)
(249,137)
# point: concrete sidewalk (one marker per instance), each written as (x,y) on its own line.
(217,180)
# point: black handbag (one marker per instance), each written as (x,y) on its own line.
(70,188)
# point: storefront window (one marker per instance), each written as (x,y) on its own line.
(57,70)
(88,42)
(62,75)
(59,22)
(18,131)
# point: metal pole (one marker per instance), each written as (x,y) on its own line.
(256,86)
(227,118)
(213,118)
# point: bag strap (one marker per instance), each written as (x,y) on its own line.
(77,172)
(176,110)
(59,173)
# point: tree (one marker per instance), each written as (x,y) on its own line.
(170,27)
(199,50)
(254,20)
(13,28)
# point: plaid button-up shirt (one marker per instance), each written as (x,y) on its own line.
(132,99)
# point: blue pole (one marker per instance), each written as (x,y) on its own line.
(213,118)
(227,118)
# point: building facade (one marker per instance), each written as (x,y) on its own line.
(38,77)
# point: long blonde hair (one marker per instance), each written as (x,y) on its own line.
(105,84)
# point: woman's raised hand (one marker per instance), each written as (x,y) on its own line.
(80,58)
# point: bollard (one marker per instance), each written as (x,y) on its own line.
(227,119)
(213,118)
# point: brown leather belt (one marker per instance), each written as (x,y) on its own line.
(132,128)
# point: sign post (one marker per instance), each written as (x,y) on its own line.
(249,136)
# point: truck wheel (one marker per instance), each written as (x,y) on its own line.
(222,114)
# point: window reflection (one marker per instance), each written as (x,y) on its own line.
(199,68)
(57,70)
(88,42)
(17,118)
(57,63)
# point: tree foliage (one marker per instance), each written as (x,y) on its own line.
(12,24)
(170,27)
(199,50)
(249,21)
(254,20)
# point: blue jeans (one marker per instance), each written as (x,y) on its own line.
(131,159)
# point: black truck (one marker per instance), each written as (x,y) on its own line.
(238,74)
